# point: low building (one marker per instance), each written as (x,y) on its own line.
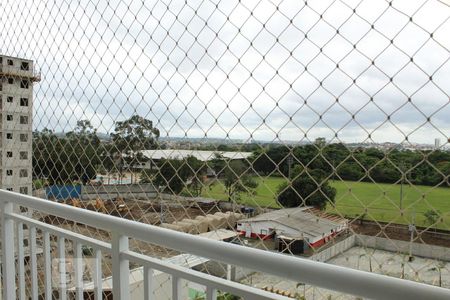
(154,156)
(201,155)
(224,235)
(311,226)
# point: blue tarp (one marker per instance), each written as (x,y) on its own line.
(63,192)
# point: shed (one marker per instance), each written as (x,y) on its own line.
(297,222)
(220,235)
(291,245)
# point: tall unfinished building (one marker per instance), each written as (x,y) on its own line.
(16,98)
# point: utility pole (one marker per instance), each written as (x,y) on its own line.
(162,217)
(401,187)
(289,161)
(401,195)
(411,228)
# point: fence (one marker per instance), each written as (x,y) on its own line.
(255,106)
(301,270)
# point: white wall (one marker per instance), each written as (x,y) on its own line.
(256,227)
(422,250)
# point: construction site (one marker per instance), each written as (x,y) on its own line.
(238,224)
(189,215)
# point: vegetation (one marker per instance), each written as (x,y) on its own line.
(38,184)
(237,181)
(430,168)
(227,296)
(69,159)
(379,202)
(173,175)
(432,217)
(353,182)
(130,137)
(309,188)
(79,155)
(264,195)
(217,164)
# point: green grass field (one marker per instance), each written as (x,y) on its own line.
(380,202)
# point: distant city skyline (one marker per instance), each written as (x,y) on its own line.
(217,140)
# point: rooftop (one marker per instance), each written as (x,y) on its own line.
(219,234)
(199,154)
(304,220)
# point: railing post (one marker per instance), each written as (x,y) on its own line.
(98,284)
(8,260)
(78,265)
(176,287)
(62,268)
(120,266)
(20,261)
(33,265)
(47,266)
(148,284)
(211,293)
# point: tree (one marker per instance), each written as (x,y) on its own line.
(169,176)
(107,159)
(174,174)
(227,296)
(361,164)
(272,160)
(196,175)
(237,181)
(70,158)
(132,136)
(309,188)
(217,164)
(432,217)
(350,171)
(444,169)
(82,148)
(46,156)
(84,128)
(385,172)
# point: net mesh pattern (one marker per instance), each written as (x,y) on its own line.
(305,127)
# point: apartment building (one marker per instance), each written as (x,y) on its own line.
(16,98)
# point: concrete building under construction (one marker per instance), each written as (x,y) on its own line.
(16,110)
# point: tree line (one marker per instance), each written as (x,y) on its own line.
(79,155)
(430,168)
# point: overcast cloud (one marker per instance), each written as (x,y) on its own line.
(266,70)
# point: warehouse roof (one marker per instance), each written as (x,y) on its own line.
(199,154)
(219,234)
(304,220)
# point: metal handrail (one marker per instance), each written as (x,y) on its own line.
(302,270)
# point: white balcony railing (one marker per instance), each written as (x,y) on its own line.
(300,270)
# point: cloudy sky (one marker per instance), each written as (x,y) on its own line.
(268,70)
